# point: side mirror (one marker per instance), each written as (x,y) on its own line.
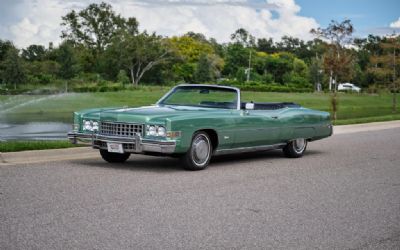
(249,105)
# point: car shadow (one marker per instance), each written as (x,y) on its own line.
(260,155)
(169,164)
(241,157)
(144,163)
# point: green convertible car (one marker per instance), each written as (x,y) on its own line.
(195,122)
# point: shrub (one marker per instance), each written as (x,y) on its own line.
(122,77)
(89,77)
(102,86)
(259,86)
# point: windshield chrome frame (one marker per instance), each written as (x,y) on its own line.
(202,85)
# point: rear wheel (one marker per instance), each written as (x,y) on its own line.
(199,155)
(114,157)
(295,148)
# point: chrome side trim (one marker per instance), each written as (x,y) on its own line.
(159,148)
(248,149)
(85,139)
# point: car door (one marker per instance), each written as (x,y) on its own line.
(256,128)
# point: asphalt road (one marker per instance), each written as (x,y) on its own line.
(343,194)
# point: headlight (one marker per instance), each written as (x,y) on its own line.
(95,126)
(152,130)
(161,131)
(90,125)
(87,125)
(156,130)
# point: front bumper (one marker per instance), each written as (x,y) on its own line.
(134,144)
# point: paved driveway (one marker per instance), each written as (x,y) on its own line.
(343,194)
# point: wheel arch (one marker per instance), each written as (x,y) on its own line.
(213,136)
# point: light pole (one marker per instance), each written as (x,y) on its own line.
(319,85)
(249,68)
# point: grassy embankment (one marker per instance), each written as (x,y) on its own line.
(16,146)
(353,108)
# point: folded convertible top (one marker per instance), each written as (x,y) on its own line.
(272,105)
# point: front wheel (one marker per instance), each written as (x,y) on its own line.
(199,154)
(114,157)
(295,148)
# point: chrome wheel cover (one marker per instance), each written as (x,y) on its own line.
(201,150)
(299,145)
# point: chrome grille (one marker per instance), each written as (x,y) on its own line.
(120,129)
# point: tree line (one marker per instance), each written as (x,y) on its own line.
(101,45)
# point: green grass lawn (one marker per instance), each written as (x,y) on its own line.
(353,108)
(16,146)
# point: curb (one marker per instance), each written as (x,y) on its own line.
(2,159)
(365,127)
(38,156)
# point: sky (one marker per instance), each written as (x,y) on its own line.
(28,22)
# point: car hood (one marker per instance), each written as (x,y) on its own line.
(148,113)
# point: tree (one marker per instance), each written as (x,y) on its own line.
(203,73)
(34,53)
(337,60)
(339,63)
(243,37)
(362,53)
(316,72)
(279,65)
(122,77)
(67,60)
(96,25)
(87,61)
(13,71)
(191,48)
(236,57)
(218,48)
(385,66)
(188,49)
(4,47)
(139,53)
(266,45)
(196,36)
(41,71)
(372,45)
(296,46)
(290,44)
(317,47)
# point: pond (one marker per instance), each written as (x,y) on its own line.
(25,117)
(34,131)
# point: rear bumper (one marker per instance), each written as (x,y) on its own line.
(134,144)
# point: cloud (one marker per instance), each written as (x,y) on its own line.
(38,22)
(393,28)
(220,18)
(395,24)
(200,3)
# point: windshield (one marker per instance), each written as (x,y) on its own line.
(202,96)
